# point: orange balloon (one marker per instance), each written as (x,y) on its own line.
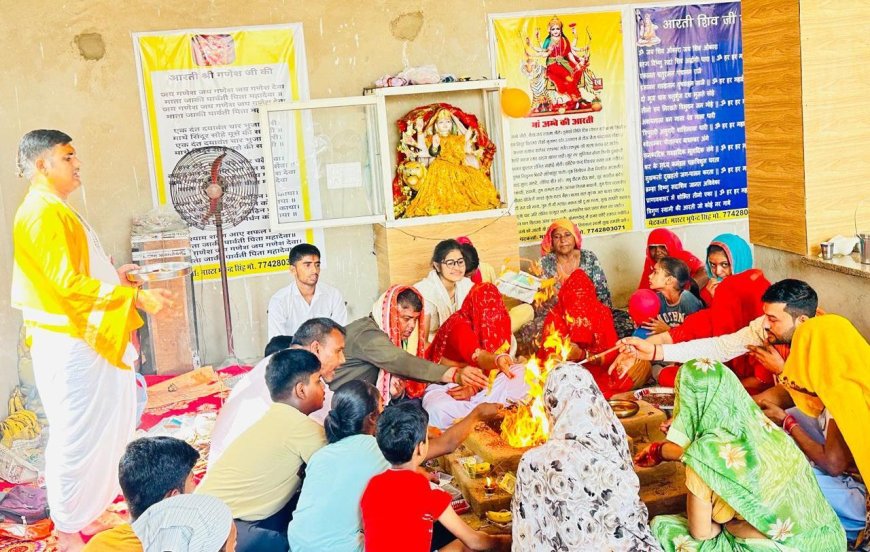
(515,102)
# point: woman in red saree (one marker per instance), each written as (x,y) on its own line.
(734,292)
(580,317)
(478,334)
(663,243)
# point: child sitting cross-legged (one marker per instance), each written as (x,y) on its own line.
(399,507)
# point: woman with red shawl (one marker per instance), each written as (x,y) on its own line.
(561,256)
(580,317)
(734,292)
(478,334)
(663,243)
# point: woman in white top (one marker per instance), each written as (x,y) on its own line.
(444,289)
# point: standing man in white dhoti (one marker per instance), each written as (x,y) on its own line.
(79,313)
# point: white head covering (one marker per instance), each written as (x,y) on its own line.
(184,523)
(579,489)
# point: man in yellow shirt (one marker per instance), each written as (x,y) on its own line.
(259,473)
(79,312)
(152,468)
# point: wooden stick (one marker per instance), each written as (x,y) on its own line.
(596,356)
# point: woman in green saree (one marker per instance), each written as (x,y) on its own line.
(750,487)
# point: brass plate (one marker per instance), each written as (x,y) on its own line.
(623,408)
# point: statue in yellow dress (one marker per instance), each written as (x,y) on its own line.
(456,156)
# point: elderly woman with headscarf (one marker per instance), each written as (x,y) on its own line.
(750,487)
(187,523)
(561,255)
(579,491)
(478,334)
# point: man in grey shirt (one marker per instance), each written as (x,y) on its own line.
(369,348)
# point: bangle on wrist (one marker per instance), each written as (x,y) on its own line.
(456,378)
(656,353)
(499,357)
(789,423)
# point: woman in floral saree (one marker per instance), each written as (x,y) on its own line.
(750,487)
(579,491)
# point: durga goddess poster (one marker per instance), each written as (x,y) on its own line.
(567,63)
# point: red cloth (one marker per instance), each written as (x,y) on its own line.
(388,321)
(581,317)
(482,322)
(663,236)
(547,241)
(210,403)
(565,80)
(737,302)
(398,511)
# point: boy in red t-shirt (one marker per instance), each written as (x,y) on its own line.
(399,507)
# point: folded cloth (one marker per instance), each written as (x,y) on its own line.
(843,245)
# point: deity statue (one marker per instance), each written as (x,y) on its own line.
(444,164)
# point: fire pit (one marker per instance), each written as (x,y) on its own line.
(662,487)
(526,425)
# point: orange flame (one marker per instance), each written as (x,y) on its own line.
(545,292)
(533,267)
(529,425)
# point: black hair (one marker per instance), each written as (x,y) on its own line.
(302,250)
(278,343)
(35,143)
(287,368)
(799,297)
(400,429)
(713,248)
(151,468)
(316,329)
(410,299)
(472,259)
(351,403)
(443,249)
(680,271)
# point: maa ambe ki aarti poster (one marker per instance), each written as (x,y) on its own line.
(571,152)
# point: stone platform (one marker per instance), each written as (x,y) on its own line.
(662,487)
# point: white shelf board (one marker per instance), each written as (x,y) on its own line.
(491,84)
